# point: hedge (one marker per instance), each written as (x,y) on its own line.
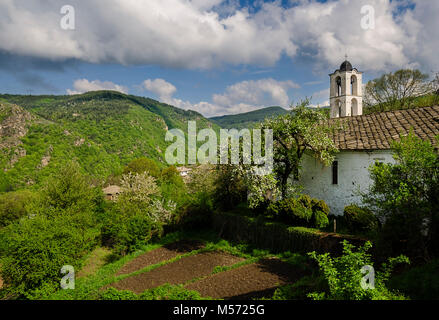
(278,237)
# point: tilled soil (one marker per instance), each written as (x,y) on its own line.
(256,280)
(178,272)
(160,254)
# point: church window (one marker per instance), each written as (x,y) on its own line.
(335,172)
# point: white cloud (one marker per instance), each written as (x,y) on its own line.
(163,89)
(83,85)
(208,33)
(173,33)
(241,97)
(264,92)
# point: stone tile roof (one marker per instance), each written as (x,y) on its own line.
(111,190)
(377,131)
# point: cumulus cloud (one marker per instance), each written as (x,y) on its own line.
(83,85)
(176,33)
(240,97)
(208,33)
(253,94)
(163,89)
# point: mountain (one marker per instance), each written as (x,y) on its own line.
(249,119)
(102,130)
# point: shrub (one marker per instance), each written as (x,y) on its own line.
(360,220)
(306,201)
(36,250)
(320,219)
(303,211)
(405,195)
(13,205)
(344,275)
(230,187)
(197,212)
(320,205)
(126,233)
(290,211)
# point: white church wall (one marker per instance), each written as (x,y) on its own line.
(353,175)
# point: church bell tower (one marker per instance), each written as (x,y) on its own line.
(346,91)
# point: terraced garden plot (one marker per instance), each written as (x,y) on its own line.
(178,272)
(255,280)
(158,255)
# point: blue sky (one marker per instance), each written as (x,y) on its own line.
(216,57)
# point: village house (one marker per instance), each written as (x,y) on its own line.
(363,140)
(111,192)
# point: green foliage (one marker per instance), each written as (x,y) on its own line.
(344,275)
(405,195)
(360,220)
(164,292)
(230,187)
(114,294)
(70,189)
(290,211)
(302,129)
(398,90)
(59,229)
(419,283)
(197,212)
(172,186)
(38,247)
(300,289)
(102,130)
(128,232)
(137,216)
(302,211)
(170,292)
(320,219)
(142,165)
(13,205)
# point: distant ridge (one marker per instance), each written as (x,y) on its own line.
(248,119)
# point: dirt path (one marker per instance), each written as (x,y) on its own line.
(178,272)
(160,254)
(250,281)
(95,261)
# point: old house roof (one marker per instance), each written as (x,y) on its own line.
(111,190)
(377,131)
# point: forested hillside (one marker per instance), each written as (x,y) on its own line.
(102,130)
(249,119)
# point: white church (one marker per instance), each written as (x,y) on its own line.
(364,140)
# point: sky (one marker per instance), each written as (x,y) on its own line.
(216,57)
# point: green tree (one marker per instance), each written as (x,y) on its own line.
(142,165)
(396,90)
(301,130)
(406,197)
